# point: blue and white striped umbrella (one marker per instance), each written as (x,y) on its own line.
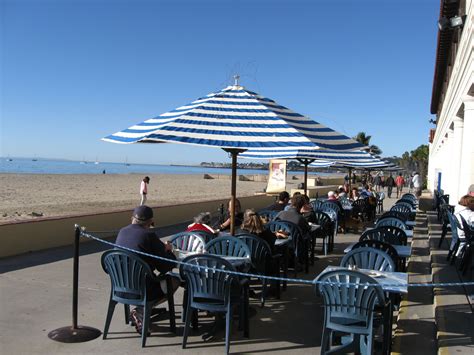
(375,164)
(319,158)
(319,154)
(235,118)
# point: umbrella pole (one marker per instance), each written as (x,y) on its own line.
(233,190)
(305,162)
(350,180)
(305,177)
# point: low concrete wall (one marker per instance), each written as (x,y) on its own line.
(314,192)
(21,237)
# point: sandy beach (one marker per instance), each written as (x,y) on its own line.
(32,196)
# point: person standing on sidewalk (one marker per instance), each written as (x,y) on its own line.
(144,189)
(390,183)
(416,184)
(399,181)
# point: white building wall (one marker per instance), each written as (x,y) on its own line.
(452,149)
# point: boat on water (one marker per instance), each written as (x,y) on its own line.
(9,159)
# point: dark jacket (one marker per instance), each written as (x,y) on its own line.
(136,237)
(276,207)
(292,215)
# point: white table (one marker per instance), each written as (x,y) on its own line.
(235,261)
(404,251)
(396,282)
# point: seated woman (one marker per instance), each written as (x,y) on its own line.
(238,216)
(253,224)
(201,223)
(354,194)
(307,210)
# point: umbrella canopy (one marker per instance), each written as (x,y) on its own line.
(315,157)
(235,119)
(374,163)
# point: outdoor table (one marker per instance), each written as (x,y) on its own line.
(394,282)
(404,251)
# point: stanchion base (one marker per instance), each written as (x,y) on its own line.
(80,334)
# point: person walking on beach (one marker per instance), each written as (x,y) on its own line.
(399,181)
(144,189)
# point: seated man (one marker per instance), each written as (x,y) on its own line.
(293,214)
(283,199)
(138,236)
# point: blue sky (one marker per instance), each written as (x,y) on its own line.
(76,71)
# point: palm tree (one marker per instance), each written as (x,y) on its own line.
(364,139)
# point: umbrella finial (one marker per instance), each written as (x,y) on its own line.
(236,79)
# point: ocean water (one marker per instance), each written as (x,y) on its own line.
(42,166)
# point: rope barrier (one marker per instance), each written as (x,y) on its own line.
(83,233)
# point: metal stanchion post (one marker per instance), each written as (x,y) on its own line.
(75,333)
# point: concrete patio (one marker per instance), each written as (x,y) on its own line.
(36,294)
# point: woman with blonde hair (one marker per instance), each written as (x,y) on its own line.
(253,224)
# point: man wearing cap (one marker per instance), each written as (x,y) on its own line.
(138,236)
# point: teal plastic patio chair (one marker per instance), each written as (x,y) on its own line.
(263,262)
(404,207)
(386,234)
(188,241)
(400,215)
(410,202)
(130,279)
(324,232)
(267,215)
(316,204)
(214,291)
(297,246)
(228,246)
(455,240)
(349,301)
(385,247)
(369,258)
(391,221)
